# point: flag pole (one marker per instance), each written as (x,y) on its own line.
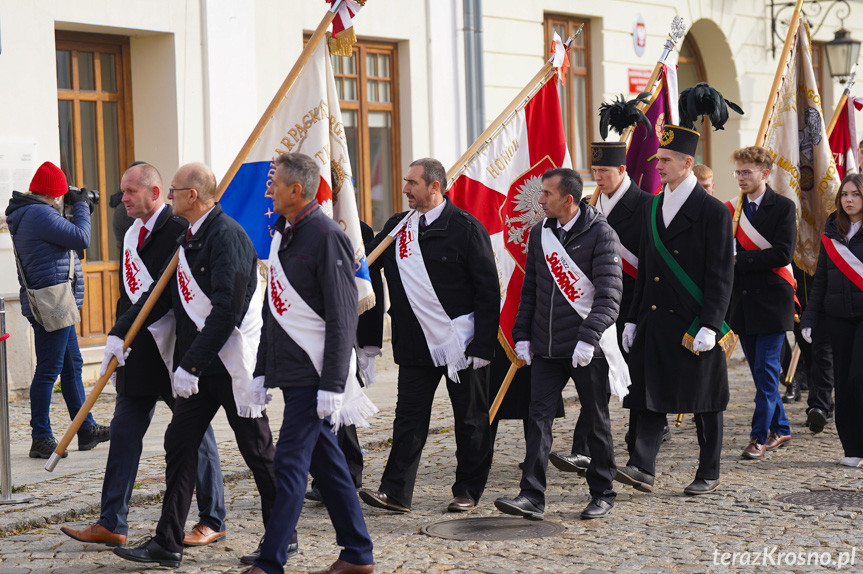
(761,138)
(676,33)
(168,273)
(842,102)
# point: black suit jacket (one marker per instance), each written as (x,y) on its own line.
(762,301)
(627,219)
(145,374)
(370,329)
(460,262)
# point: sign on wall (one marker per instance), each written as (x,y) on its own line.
(638,78)
(639,35)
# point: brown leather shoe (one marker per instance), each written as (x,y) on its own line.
(776,440)
(342,567)
(461,504)
(754,451)
(380,500)
(95,534)
(201,535)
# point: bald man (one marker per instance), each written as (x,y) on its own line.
(218,325)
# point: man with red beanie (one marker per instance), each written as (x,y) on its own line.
(45,244)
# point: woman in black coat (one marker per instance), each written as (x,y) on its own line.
(836,304)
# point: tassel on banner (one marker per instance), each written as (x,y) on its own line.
(727,343)
(344,44)
(559,57)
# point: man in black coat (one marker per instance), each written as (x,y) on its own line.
(306,350)
(762,305)
(561,338)
(676,335)
(145,378)
(218,265)
(622,203)
(445,310)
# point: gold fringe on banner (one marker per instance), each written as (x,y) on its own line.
(344,44)
(727,343)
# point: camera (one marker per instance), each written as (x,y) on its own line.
(92,199)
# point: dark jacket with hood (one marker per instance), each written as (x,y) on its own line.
(545,318)
(43,239)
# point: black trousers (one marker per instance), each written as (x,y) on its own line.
(846,336)
(349,443)
(191,418)
(416,388)
(647,433)
(820,370)
(549,377)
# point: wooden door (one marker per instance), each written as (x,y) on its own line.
(94,104)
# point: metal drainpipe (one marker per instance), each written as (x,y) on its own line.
(473,68)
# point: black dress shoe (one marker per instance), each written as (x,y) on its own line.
(792,392)
(666,434)
(597,508)
(519,506)
(314,495)
(150,551)
(293,549)
(635,477)
(702,486)
(816,420)
(380,500)
(570,462)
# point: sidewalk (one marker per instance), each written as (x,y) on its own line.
(660,532)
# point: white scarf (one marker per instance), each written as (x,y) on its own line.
(579,291)
(606,204)
(239,353)
(308,330)
(447,339)
(137,281)
(672,201)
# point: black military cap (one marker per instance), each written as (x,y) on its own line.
(607,154)
(676,138)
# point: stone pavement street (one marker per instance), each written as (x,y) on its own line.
(661,532)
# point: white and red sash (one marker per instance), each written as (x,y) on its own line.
(137,281)
(579,292)
(308,330)
(239,353)
(630,261)
(842,257)
(751,240)
(447,339)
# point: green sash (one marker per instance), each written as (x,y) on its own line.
(725,339)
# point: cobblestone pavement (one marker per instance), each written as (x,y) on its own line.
(660,532)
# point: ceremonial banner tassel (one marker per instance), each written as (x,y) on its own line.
(171,268)
(308,119)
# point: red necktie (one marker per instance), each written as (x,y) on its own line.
(141,236)
(188,234)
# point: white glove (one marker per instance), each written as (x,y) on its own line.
(259,392)
(704,340)
(185,384)
(628,336)
(806,333)
(582,355)
(477,363)
(366,357)
(114,348)
(114,378)
(522,351)
(328,403)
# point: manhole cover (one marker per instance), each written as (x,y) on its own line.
(493,528)
(824,499)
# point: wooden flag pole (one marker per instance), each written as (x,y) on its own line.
(159,288)
(761,138)
(843,101)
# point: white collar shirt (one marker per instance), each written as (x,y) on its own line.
(606,204)
(674,200)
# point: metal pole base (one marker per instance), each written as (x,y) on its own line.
(52,462)
(17,499)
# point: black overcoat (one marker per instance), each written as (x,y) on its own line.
(145,374)
(666,377)
(763,302)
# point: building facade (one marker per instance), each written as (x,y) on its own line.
(94,85)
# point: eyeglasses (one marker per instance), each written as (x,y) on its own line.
(744,173)
(173,190)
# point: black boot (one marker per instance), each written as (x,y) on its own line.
(792,392)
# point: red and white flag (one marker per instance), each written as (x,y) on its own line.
(843,139)
(501,188)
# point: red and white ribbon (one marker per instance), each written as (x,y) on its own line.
(845,261)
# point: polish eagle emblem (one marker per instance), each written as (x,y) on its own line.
(526,204)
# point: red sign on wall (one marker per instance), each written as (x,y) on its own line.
(638,78)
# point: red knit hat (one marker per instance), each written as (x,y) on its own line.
(49,180)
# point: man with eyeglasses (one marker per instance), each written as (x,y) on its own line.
(762,304)
(218,326)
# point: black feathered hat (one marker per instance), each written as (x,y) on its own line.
(702,100)
(621,114)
